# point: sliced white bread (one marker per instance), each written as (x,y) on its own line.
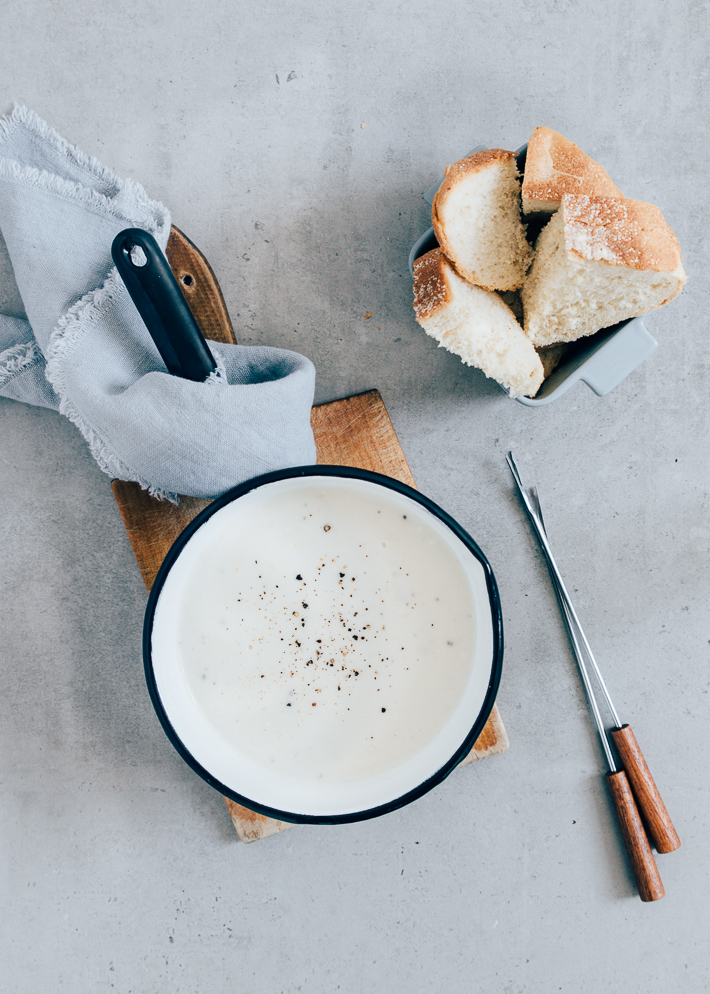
(554,166)
(552,355)
(476,218)
(597,262)
(475,324)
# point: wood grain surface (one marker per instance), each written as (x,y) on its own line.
(650,803)
(643,865)
(200,287)
(356,431)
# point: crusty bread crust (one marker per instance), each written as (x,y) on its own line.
(471,164)
(621,232)
(431,286)
(555,166)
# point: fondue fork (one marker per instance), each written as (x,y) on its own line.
(649,800)
(647,796)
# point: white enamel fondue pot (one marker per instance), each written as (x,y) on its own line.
(374,759)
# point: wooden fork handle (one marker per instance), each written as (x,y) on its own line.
(643,865)
(658,823)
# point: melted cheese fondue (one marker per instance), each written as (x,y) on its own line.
(325,630)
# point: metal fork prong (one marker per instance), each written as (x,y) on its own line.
(514,470)
(535,501)
(525,496)
(518,481)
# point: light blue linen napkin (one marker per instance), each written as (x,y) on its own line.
(72,339)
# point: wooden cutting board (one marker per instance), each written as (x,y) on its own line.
(355,431)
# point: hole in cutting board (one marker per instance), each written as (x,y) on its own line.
(187,279)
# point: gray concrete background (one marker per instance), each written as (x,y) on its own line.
(120,867)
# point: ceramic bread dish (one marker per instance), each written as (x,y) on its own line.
(601,360)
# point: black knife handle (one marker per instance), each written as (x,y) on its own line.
(157,296)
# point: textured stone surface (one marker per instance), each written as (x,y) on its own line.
(121,869)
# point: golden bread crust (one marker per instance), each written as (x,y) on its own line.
(620,232)
(431,286)
(555,166)
(471,164)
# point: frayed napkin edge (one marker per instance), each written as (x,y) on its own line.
(39,127)
(18,359)
(160,219)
